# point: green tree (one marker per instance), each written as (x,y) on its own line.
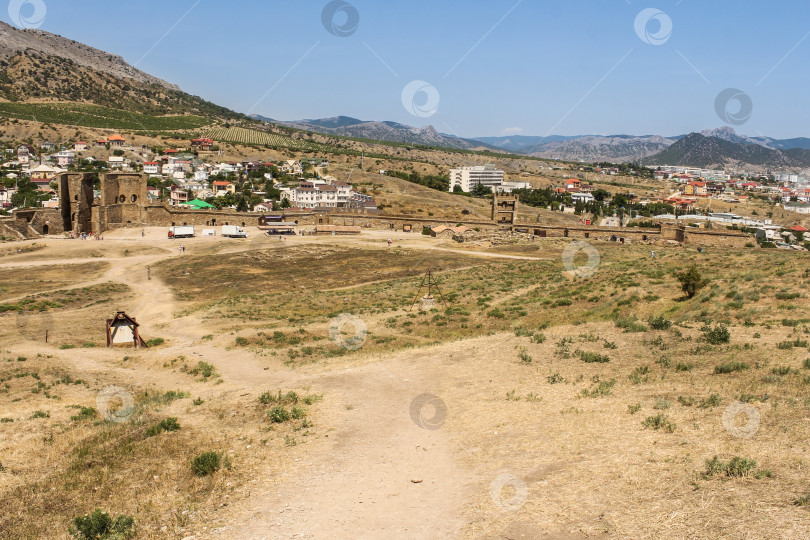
(480,190)
(600,194)
(691,281)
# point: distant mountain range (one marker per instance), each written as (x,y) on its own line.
(711,147)
(347,126)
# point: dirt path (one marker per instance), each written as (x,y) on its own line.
(370,471)
(374,473)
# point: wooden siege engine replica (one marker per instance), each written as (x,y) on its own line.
(122,331)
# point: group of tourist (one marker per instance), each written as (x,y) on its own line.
(85,236)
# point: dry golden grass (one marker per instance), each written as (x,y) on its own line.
(507,356)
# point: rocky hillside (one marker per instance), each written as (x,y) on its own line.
(346,126)
(40,66)
(616,149)
(14,41)
(697,150)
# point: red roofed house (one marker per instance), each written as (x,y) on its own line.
(203,143)
(116,140)
(696,187)
(222,187)
(572,184)
(80,146)
(683,204)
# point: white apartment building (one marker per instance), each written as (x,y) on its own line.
(319,194)
(117,162)
(786,178)
(469,177)
(151,167)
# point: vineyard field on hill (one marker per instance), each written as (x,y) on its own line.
(238,135)
(95,116)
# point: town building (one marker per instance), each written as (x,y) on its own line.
(467,178)
(151,167)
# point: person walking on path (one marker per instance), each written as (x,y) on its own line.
(148,273)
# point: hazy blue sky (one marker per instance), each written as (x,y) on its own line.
(497,67)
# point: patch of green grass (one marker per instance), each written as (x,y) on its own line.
(659,323)
(730,367)
(737,467)
(640,375)
(592,357)
(686,401)
(279,398)
(154,342)
(167,424)
(85,413)
(523,354)
(278,415)
(802,500)
(206,463)
(684,366)
(602,389)
(634,408)
(712,401)
(659,421)
(203,369)
(100,526)
(630,324)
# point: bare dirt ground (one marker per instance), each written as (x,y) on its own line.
(457,439)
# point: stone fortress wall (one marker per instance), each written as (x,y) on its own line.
(123,203)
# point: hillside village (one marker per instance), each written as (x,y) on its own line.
(184,177)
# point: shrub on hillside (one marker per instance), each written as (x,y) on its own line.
(206,463)
(100,526)
(659,323)
(717,335)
